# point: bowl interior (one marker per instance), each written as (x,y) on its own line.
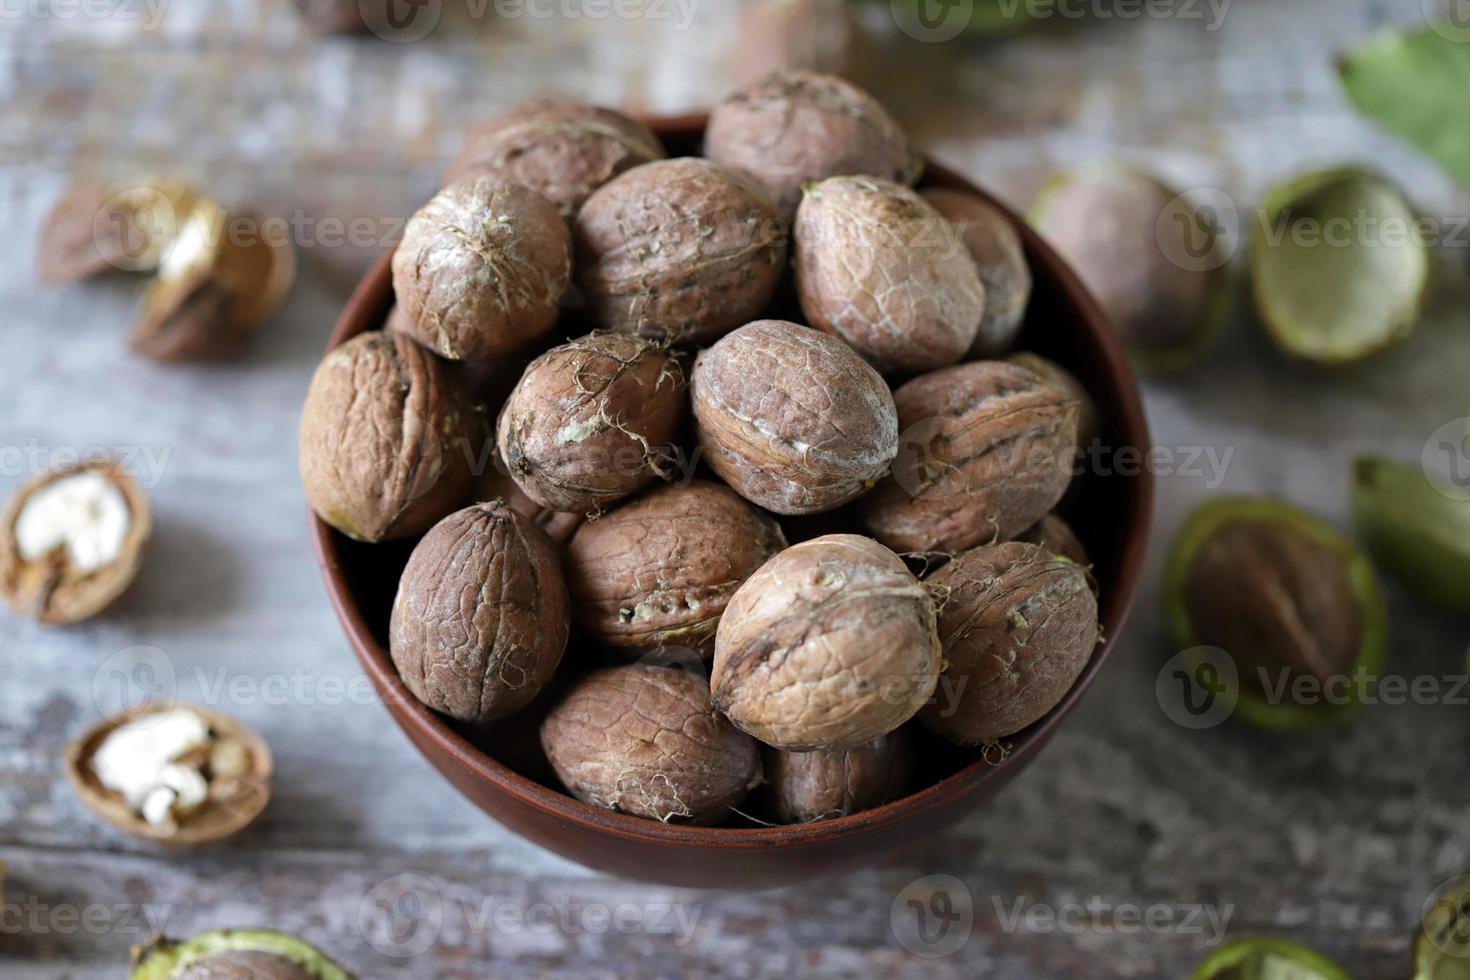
(1110,514)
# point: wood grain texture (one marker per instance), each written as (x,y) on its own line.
(1335,840)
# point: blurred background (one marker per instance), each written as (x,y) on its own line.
(1130,848)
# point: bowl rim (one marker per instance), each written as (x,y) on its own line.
(364,311)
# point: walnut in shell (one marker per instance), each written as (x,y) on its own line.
(879,267)
(563,151)
(1150,257)
(644,739)
(481,617)
(796,127)
(678,249)
(792,418)
(482,269)
(495,483)
(1018,626)
(830,644)
(825,783)
(72,540)
(659,570)
(593,421)
(995,245)
(386,438)
(1057,537)
(216,784)
(786,35)
(987,449)
(1089,418)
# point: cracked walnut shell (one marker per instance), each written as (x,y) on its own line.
(235,767)
(71,541)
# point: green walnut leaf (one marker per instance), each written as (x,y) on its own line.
(1339,265)
(1268,959)
(1415,532)
(1414,84)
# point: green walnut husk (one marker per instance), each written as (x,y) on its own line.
(1339,265)
(1293,593)
(1414,84)
(1268,959)
(1442,947)
(162,959)
(1151,258)
(1413,531)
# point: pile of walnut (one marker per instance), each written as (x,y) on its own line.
(673,428)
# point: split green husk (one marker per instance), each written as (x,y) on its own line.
(1339,265)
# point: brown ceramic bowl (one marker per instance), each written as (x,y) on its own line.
(1111,517)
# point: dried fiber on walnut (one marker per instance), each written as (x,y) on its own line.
(593,421)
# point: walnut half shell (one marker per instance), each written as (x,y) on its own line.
(65,560)
(238,772)
(93,229)
(221,278)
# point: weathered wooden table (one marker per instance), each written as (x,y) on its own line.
(1121,853)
